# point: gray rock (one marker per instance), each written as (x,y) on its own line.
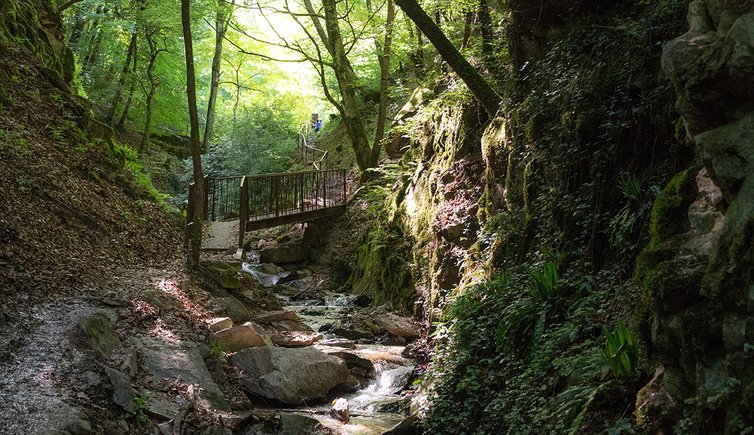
(339,342)
(130,364)
(284,254)
(234,309)
(79,427)
(98,330)
(219,323)
(398,326)
(295,338)
(297,424)
(352,360)
(292,376)
(240,337)
(275,316)
(408,426)
(158,406)
(90,379)
(124,394)
(181,362)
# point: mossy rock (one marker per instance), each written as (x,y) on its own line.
(669,213)
(98,329)
(226,275)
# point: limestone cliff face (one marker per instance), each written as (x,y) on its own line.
(698,271)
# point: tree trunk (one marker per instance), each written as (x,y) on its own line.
(195,238)
(221,27)
(153,82)
(127,107)
(384,81)
(122,79)
(344,73)
(477,84)
(488,47)
(323,35)
(467,29)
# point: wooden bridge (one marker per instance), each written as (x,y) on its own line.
(265,201)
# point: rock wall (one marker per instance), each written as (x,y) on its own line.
(697,272)
(37,25)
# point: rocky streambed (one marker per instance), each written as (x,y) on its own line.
(326,362)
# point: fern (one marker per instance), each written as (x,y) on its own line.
(620,351)
(543,282)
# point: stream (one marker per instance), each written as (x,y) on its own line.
(378,405)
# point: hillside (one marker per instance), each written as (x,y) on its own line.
(72,209)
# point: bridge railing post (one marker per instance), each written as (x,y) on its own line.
(243,211)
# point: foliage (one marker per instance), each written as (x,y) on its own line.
(620,352)
(543,281)
(502,353)
(218,350)
(143,179)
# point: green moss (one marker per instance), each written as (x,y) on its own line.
(98,330)
(670,208)
(383,269)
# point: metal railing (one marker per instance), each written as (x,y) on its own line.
(271,199)
(310,154)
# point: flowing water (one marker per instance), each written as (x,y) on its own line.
(379,404)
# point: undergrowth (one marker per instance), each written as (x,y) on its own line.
(589,136)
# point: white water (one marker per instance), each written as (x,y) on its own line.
(376,407)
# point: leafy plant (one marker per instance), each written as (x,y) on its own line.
(620,351)
(630,186)
(219,348)
(543,281)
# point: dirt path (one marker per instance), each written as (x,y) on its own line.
(37,359)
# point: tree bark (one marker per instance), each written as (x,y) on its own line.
(221,27)
(477,84)
(469,20)
(384,81)
(488,47)
(127,107)
(122,79)
(153,83)
(195,238)
(349,110)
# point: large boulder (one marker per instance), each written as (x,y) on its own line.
(181,362)
(240,337)
(398,326)
(291,376)
(285,254)
(295,338)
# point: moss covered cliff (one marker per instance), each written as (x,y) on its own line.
(588,202)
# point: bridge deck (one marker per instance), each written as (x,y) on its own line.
(240,204)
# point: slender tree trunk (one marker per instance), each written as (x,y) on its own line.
(467,29)
(93,50)
(236,69)
(323,35)
(127,107)
(488,47)
(384,81)
(122,79)
(349,109)
(153,83)
(477,84)
(221,27)
(195,238)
